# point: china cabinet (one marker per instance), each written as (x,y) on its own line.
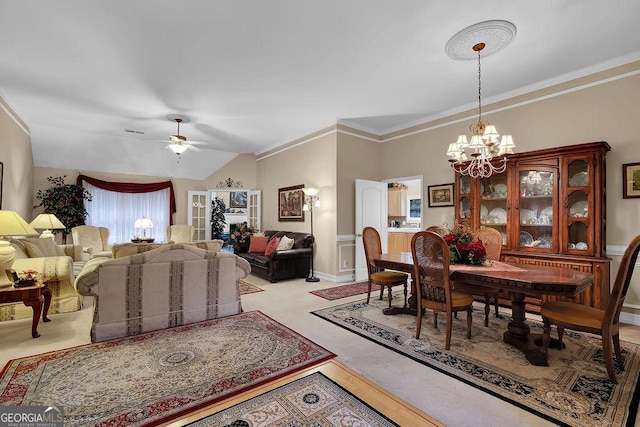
(549,206)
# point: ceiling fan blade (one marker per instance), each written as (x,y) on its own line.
(193,147)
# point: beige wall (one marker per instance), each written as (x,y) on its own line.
(312,162)
(17,157)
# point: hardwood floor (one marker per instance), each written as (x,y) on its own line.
(384,402)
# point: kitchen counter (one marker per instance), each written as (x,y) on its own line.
(403,230)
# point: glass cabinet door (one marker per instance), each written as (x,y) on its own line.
(536,209)
(493,203)
(465,201)
(578,208)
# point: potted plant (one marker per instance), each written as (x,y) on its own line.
(66,202)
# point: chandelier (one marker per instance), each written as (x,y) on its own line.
(486,156)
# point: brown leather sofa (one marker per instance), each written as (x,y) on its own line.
(287,264)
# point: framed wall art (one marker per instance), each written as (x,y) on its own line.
(630,180)
(440,195)
(238,199)
(290,203)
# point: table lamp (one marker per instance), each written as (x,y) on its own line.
(11,224)
(143,223)
(47,222)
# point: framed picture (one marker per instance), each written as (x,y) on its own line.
(440,195)
(238,199)
(630,180)
(290,203)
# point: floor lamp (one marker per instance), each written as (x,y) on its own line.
(311,200)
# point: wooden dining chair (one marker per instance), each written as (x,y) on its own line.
(437,229)
(570,315)
(492,241)
(433,288)
(383,278)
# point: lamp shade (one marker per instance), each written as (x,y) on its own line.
(12,224)
(178,148)
(143,223)
(311,191)
(46,221)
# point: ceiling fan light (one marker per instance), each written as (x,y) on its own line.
(178,148)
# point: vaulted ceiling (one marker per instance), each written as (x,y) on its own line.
(253,74)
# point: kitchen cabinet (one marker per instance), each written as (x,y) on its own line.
(399,241)
(397,202)
(549,206)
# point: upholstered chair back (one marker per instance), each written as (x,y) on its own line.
(180,233)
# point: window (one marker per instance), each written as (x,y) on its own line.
(119,212)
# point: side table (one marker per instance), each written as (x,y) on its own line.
(38,297)
(142,240)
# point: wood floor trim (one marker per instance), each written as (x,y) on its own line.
(384,402)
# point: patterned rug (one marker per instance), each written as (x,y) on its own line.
(574,390)
(248,288)
(158,376)
(313,400)
(344,291)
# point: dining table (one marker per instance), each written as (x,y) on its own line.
(519,280)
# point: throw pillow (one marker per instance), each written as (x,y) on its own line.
(286,243)
(272,246)
(47,246)
(32,250)
(258,244)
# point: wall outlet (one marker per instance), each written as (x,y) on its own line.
(345,263)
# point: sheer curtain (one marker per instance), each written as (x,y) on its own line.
(119,212)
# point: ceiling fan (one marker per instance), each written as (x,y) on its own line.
(179,143)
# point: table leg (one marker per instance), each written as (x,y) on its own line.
(407,308)
(518,333)
(46,292)
(36,305)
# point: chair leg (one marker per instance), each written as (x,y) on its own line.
(616,346)
(369,292)
(487,309)
(389,297)
(435,319)
(607,350)
(381,292)
(560,335)
(447,344)
(405,295)
(546,336)
(470,321)
(418,321)
(497,306)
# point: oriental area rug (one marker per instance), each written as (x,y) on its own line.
(574,390)
(344,291)
(313,400)
(248,288)
(158,376)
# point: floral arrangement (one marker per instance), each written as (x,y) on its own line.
(240,235)
(462,248)
(28,274)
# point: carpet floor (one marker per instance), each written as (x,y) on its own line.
(313,400)
(573,390)
(157,376)
(344,291)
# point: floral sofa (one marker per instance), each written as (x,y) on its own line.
(56,264)
(281,263)
(171,285)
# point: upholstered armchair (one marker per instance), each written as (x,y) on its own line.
(180,233)
(93,240)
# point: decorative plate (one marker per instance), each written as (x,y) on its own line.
(581,179)
(500,190)
(526,215)
(580,209)
(526,239)
(547,211)
(484,211)
(500,214)
(582,246)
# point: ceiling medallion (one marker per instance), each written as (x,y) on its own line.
(495,34)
